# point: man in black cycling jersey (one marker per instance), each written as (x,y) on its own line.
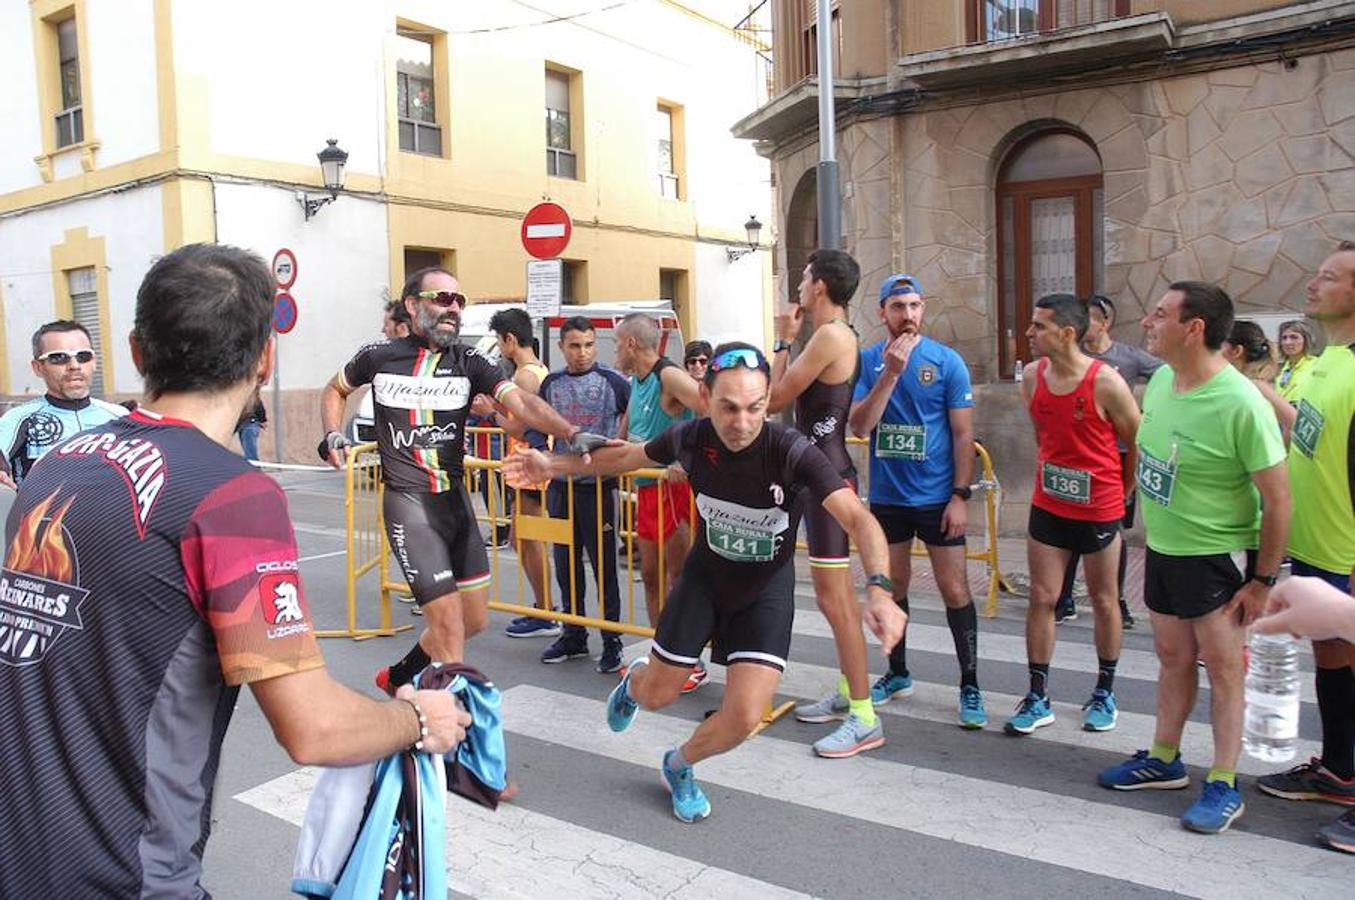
(751,479)
(422,386)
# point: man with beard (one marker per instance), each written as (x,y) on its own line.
(913,398)
(64,359)
(422,386)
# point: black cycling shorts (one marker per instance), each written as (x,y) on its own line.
(740,630)
(902,523)
(1192,586)
(1077,535)
(828,547)
(437,541)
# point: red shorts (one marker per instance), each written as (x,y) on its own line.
(677,507)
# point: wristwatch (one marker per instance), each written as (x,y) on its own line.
(964,491)
(880,581)
(780,345)
(1267,580)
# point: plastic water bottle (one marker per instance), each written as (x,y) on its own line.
(1017,371)
(1271,730)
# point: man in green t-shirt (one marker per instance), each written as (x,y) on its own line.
(1215,495)
(1322,537)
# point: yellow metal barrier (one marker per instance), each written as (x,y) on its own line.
(366,542)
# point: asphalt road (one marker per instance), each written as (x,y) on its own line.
(936,812)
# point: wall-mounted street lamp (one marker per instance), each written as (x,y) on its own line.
(332,161)
(754,229)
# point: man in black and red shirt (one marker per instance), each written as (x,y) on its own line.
(751,479)
(150,571)
(422,387)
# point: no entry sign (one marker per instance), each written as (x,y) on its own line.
(545,230)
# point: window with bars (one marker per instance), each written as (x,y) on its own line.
(1001,20)
(70,125)
(809,43)
(83,286)
(415,97)
(561,159)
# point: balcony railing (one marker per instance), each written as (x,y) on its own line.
(1003,20)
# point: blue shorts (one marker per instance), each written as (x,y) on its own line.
(1338,580)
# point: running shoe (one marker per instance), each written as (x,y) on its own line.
(697,677)
(621,708)
(563,650)
(416,610)
(610,660)
(972,713)
(530,626)
(1218,807)
(888,686)
(689,803)
(383,681)
(1031,713)
(1309,781)
(1126,617)
(1100,712)
(1339,835)
(850,738)
(405,598)
(1065,611)
(1142,771)
(831,708)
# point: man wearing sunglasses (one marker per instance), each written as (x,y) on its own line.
(64,359)
(751,479)
(422,387)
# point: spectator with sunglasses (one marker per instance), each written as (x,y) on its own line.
(696,358)
(64,358)
(752,480)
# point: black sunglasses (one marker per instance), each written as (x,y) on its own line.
(443,298)
(64,357)
(698,359)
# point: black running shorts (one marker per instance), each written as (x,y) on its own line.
(1076,535)
(902,523)
(828,548)
(1192,586)
(756,630)
(437,541)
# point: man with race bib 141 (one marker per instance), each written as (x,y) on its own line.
(1082,410)
(422,387)
(1215,496)
(65,361)
(751,479)
(913,398)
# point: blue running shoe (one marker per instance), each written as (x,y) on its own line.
(1099,712)
(972,713)
(1218,807)
(530,626)
(1339,835)
(621,708)
(689,803)
(1031,713)
(888,686)
(1142,771)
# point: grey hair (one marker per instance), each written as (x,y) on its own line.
(643,328)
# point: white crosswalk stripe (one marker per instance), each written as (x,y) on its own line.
(1103,838)
(516,853)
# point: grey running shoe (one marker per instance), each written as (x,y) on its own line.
(851,737)
(830,709)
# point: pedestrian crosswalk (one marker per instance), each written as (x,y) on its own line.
(1110,844)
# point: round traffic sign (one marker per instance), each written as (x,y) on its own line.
(284,313)
(545,230)
(284,268)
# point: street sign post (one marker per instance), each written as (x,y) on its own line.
(546,230)
(284,269)
(545,287)
(284,320)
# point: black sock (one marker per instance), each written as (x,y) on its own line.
(1336,705)
(1105,674)
(898,657)
(1039,679)
(964,630)
(415,661)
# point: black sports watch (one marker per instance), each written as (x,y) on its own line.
(964,491)
(780,345)
(1267,580)
(880,581)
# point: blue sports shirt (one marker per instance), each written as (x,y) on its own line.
(911,463)
(30,429)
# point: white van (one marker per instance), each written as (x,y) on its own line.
(604,316)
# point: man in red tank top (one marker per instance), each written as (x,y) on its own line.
(1080,407)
